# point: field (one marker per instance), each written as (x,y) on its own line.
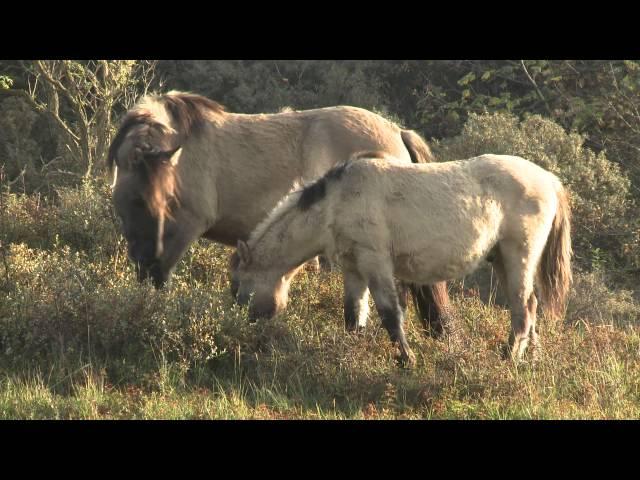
(81,339)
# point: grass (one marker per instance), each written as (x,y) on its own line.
(80,339)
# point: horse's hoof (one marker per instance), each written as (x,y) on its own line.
(354,330)
(509,353)
(406,360)
(506,352)
(535,356)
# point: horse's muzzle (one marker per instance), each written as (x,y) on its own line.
(154,271)
(256,314)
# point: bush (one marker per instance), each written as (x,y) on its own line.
(592,301)
(30,156)
(19,153)
(606,231)
(59,305)
(79,217)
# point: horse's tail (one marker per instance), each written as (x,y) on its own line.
(431,301)
(418,148)
(554,271)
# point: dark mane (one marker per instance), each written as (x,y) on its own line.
(130,120)
(189,111)
(144,141)
(368,154)
(316,191)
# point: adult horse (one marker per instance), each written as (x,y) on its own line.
(185,168)
(422,223)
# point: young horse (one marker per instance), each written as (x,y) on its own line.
(422,223)
(186,168)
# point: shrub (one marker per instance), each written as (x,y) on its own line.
(79,217)
(59,305)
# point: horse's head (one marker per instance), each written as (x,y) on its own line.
(142,196)
(264,290)
(146,151)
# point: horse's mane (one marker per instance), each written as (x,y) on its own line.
(287,203)
(187,114)
(317,190)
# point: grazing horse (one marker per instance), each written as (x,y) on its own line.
(422,223)
(185,168)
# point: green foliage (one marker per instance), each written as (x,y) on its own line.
(79,98)
(599,99)
(266,86)
(613,306)
(606,228)
(79,217)
(60,305)
(5,82)
(19,153)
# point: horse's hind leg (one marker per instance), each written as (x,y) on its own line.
(356,300)
(518,273)
(318,264)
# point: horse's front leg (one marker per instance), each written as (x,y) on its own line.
(177,236)
(356,300)
(390,312)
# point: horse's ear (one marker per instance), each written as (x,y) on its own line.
(243,252)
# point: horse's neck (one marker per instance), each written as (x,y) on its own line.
(293,239)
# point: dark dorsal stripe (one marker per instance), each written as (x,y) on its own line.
(316,191)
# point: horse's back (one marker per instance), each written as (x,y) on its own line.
(511,168)
(524,188)
(334,134)
(459,209)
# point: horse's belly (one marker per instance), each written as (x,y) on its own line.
(444,262)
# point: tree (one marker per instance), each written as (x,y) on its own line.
(81,97)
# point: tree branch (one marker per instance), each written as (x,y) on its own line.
(40,108)
(535,85)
